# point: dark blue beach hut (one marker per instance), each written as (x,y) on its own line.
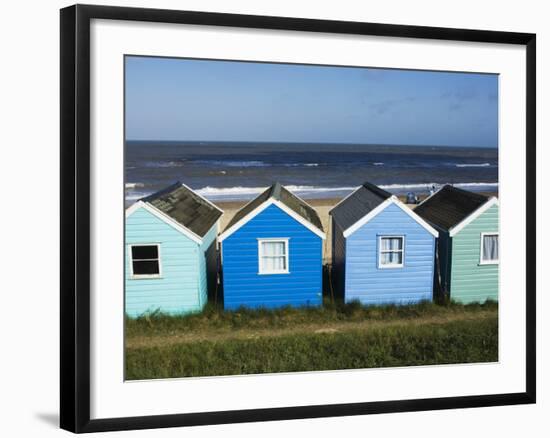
(272,253)
(382,252)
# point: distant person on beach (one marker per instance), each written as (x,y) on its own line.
(432,189)
(412,198)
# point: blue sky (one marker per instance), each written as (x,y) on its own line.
(179,99)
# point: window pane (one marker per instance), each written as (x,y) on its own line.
(391,243)
(490,247)
(270,264)
(273,248)
(145,252)
(267,264)
(391,258)
(391,250)
(146,267)
(280,263)
(397,258)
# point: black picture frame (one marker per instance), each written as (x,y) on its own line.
(75,217)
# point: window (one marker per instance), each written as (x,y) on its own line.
(273,256)
(391,252)
(489,249)
(145,261)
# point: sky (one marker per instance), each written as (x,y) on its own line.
(187,100)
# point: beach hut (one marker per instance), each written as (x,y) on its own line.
(272,253)
(382,252)
(171,257)
(467,268)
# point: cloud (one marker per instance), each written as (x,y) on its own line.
(460,95)
(388,104)
(455,107)
(374,74)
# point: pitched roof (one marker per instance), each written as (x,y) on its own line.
(358,204)
(281,194)
(186,207)
(449,206)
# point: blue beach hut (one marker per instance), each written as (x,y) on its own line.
(382,252)
(272,253)
(170,252)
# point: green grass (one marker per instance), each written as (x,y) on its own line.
(213,318)
(453,342)
(215,342)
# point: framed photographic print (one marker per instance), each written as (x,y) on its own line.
(270,218)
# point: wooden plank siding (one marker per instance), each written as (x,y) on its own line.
(471,281)
(244,286)
(177,290)
(366,282)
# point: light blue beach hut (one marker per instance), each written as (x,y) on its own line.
(272,253)
(171,257)
(382,252)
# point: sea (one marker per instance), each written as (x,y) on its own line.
(238,171)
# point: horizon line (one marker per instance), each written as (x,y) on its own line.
(308,143)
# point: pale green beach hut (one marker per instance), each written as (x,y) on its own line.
(467,262)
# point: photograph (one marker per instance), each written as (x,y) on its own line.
(283,218)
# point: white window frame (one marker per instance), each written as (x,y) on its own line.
(131,259)
(260,255)
(402,250)
(481,244)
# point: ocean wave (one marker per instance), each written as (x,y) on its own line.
(239,192)
(229,191)
(473,165)
(254,190)
(307,191)
(248,191)
(234,163)
(298,164)
(378,164)
(134,196)
(133,185)
(252,163)
(164,164)
(391,187)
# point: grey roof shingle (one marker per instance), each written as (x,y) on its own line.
(357,205)
(280,193)
(186,207)
(449,206)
